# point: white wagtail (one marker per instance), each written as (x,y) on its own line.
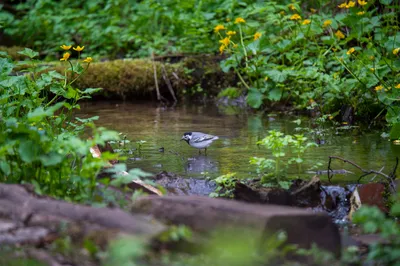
(199,140)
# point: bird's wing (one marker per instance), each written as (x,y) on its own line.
(203,137)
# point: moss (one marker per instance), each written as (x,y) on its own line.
(13,52)
(131,78)
(134,78)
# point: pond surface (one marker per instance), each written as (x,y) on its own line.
(239,131)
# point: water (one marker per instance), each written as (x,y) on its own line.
(239,131)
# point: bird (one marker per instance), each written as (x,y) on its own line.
(199,140)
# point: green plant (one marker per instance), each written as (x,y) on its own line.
(39,138)
(225,186)
(279,144)
(373,220)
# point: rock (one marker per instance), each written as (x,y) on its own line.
(306,193)
(205,214)
(271,195)
(176,185)
(372,194)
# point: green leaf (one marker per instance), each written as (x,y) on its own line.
(51,159)
(5,66)
(29,53)
(28,151)
(254,98)
(275,94)
(276,75)
(55,74)
(395,132)
(5,167)
(39,113)
(91,90)
(137,173)
(386,2)
(395,210)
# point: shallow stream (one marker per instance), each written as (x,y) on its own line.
(162,128)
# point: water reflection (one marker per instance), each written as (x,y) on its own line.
(201,164)
(239,132)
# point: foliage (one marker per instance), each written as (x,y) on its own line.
(334,56)
(279,144)
(373,221)
(225,186)
(321,53)
(40,139)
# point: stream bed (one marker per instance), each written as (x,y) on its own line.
(161,128)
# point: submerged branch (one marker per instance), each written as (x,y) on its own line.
(390,178)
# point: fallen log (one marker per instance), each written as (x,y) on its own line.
(18,205)
(205,214)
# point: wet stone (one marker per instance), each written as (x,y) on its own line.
(176,185)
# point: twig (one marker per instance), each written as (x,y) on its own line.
(155,77)
(329,170)
(169,85)
(390,178)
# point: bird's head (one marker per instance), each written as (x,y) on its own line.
(187,136)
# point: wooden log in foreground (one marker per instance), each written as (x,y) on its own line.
(204,214)
(18,205)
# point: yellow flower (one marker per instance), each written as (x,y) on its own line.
(295,17)
(378,88)
(342,5)
(266,79)
(396,51)
(350,4)
(360,13)
(239,20)
(345,123)
(292,7)
(362,2)
(219,27)
(225,41)
(231,33)
(306,22)
(313,10)
(330,117)
(65,57)
(257,35)
(78,48)
(66,47)
(88,60)
(397,86)
(350,51)
(221,49)
(340,35)
(372,69)
(327,23)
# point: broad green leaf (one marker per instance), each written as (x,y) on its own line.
(275,94)
(5,66)
(28,151)
(254,98)
(51,159)
(29,53)
(386,2)
(91,90)
(5,167)
(276,75)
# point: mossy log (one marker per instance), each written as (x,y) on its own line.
(130,79)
